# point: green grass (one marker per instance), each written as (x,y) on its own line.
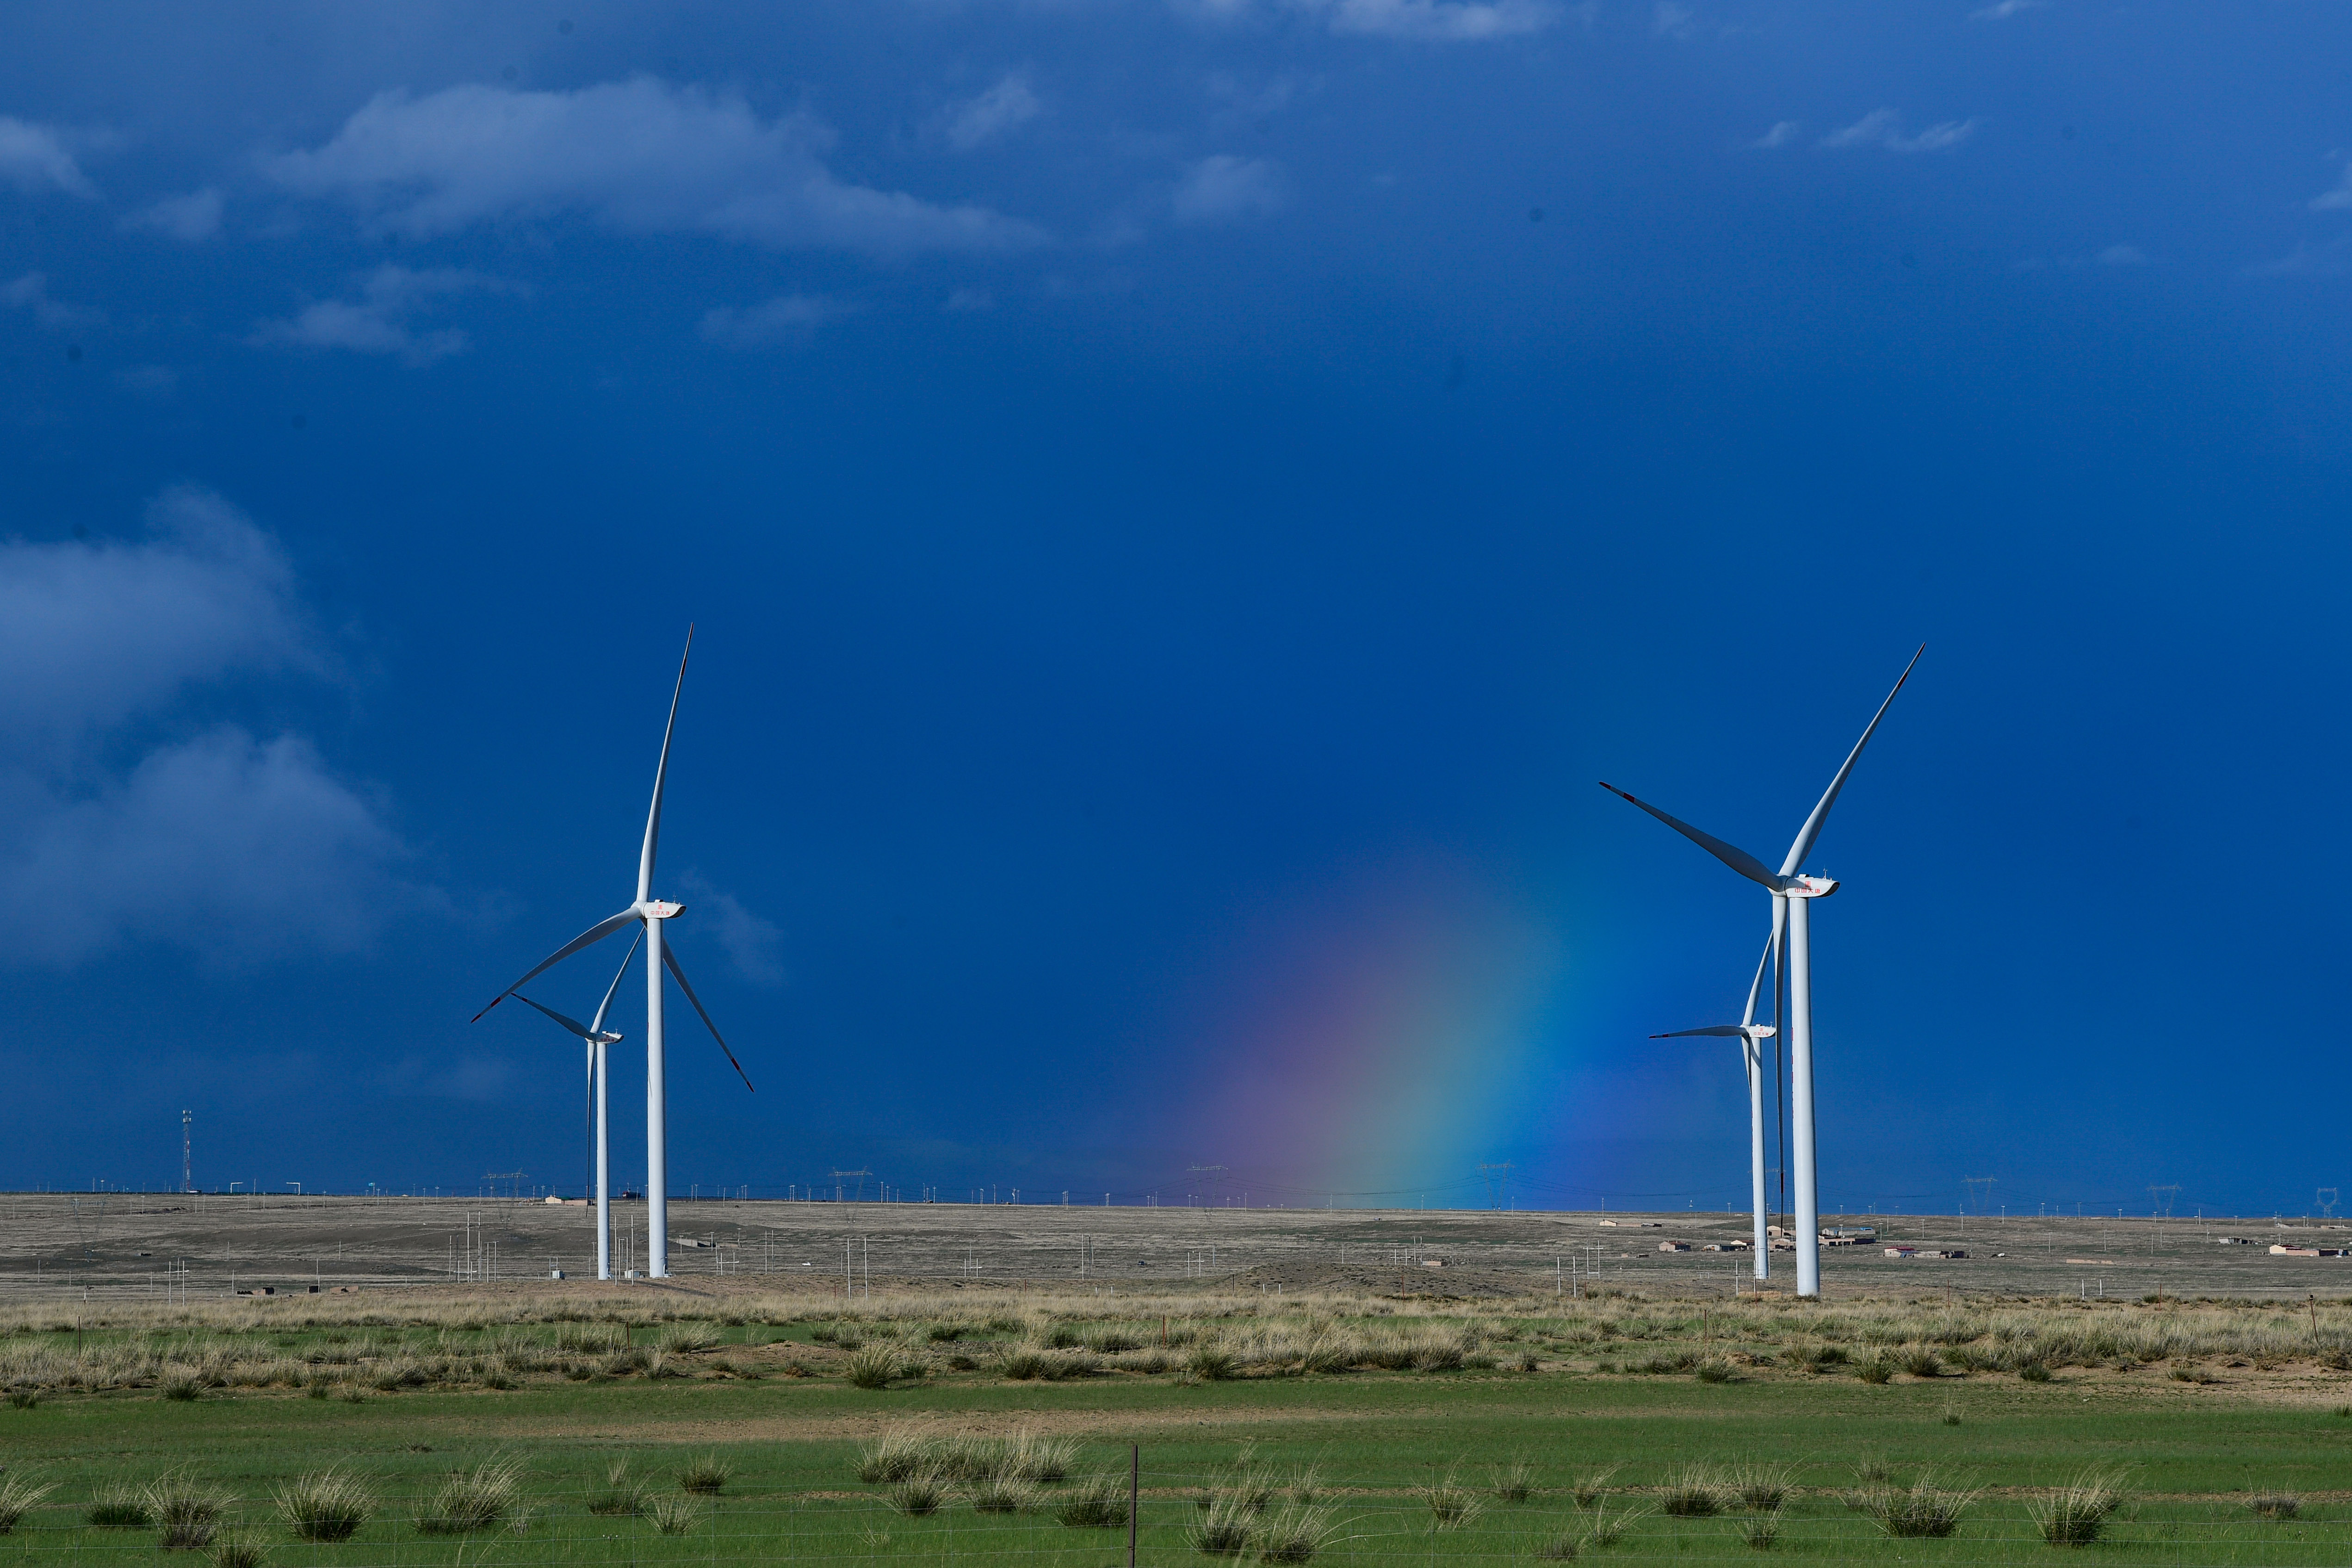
(1379,1441)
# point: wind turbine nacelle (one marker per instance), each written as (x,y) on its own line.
(655,910)
(1812,886)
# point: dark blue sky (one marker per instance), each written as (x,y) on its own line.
(1182,499)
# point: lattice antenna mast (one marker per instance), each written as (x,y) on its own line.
(187,1165)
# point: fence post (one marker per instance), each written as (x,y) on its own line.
(1134,1496)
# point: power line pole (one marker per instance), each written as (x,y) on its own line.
(187,1166)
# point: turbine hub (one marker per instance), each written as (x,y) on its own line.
(655,910)
(1811,887)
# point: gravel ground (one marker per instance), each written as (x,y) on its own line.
(127,1244)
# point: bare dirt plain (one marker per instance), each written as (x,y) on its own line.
(118,1245)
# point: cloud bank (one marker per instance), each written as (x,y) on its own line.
(241,848)
(35,158)
(638,155)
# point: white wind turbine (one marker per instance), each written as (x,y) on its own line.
(1751,1036)
(648,912)
(1793,894)
(596,1037)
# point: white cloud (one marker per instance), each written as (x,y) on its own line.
(191,218)
(1227,189)
(638,154)
(243,848)
(36,158)
(2122,256)
(786,319)
(1883,128)
(1438,21)
(1423,21)
(2004,9)
(2332,260)
(375,323)
(750,941)
(95,632)
(975,121)
(31,292)
(1783,131)
(2341,196)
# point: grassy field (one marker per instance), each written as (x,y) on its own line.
(1351,1424)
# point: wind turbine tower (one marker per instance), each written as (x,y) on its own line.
(1792,895)
(649,913)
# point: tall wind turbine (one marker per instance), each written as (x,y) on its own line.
(648,912)
(1751,1036)
(596,1037)
(1792,895)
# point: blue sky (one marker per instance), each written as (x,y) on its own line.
(1181,499)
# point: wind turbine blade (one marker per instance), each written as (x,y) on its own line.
(1812,828)
(1710,1029)
(602,1007)
(1739,860)
(1757,985)
(593,934)
(578,1028)
(669,961)
(661,772)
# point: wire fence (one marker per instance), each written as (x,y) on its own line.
(1362,1520)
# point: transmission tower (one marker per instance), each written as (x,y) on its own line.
(1498,1183)
(2327,1201)
(187,1167)
(858,1176)
(1215,1184)
(1979,1191)
(2164,1196)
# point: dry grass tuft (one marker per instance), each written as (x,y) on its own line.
(1098,1504)
(121,1506)
(1451,1506)
(18,1496)
(2074,1514)
(1922,1509)
(1695,1491)
(705,1475)
(326,1505)
(480,1499)
(240,1549)
(187,1512)
(675,1515)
